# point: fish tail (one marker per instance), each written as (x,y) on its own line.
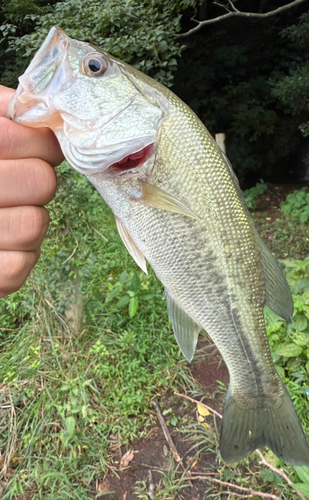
(279,428)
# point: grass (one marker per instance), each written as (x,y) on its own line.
(68,396)
(285,235)
(72,390)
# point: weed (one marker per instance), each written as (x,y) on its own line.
(297,204)
(65,393)
(289,342)
(68,397)
(251,194)
(171,484)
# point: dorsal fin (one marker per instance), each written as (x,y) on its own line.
(186,331)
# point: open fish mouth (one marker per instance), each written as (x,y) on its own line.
(132,161)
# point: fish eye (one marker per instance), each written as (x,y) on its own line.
(94,65)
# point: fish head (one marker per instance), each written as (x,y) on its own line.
(99,108)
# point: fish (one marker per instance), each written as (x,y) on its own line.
(179,207)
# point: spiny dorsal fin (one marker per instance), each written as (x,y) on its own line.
(157,198)
(186,331)
(278,294)
(131,246)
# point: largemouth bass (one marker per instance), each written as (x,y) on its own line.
(177,205)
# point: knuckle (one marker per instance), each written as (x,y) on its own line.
(14,269)
(41,180)
(6,135)
(34,223)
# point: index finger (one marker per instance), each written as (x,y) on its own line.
(5,95)
(18,141)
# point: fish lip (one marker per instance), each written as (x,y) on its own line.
(56,37)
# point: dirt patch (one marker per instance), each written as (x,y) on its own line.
(285,236)
(152,453)
(270,201)
(210,370)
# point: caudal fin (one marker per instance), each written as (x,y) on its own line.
(243,431)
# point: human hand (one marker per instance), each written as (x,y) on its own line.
(27,182)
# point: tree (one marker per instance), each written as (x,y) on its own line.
(236,70)
(141,33)
(230,75)
(293,89)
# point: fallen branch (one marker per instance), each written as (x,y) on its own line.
(151,486)
(72,254)
(278,471)
(198,403)
(251,491)
(263,459)
(166,432)
(154,467)
(233,12)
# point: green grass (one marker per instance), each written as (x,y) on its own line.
(69,395)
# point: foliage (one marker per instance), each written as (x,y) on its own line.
(170,485)
(140,33)
(75,394)
(258,98)
(297,204)
(303,474)
(293,89)
(289,342)
(251,194)
(233,87)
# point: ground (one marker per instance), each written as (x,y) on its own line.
(152,454)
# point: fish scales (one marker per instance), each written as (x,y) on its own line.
(194,239)
(178,205)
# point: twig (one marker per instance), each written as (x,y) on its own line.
(70,257)
(154,467)
(55,424)
(151,486)
(105,239)
(57,314)
(166,432)
(237,13)
(263,460)
(251,491)
(168,437)
(278,471)
(235,494)
(199,402)
(11,440)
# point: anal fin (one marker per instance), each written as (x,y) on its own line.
(186,331)
(131,246)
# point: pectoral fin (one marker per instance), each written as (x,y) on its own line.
(157,198)
(278,294)
(186,331)
(131,246)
